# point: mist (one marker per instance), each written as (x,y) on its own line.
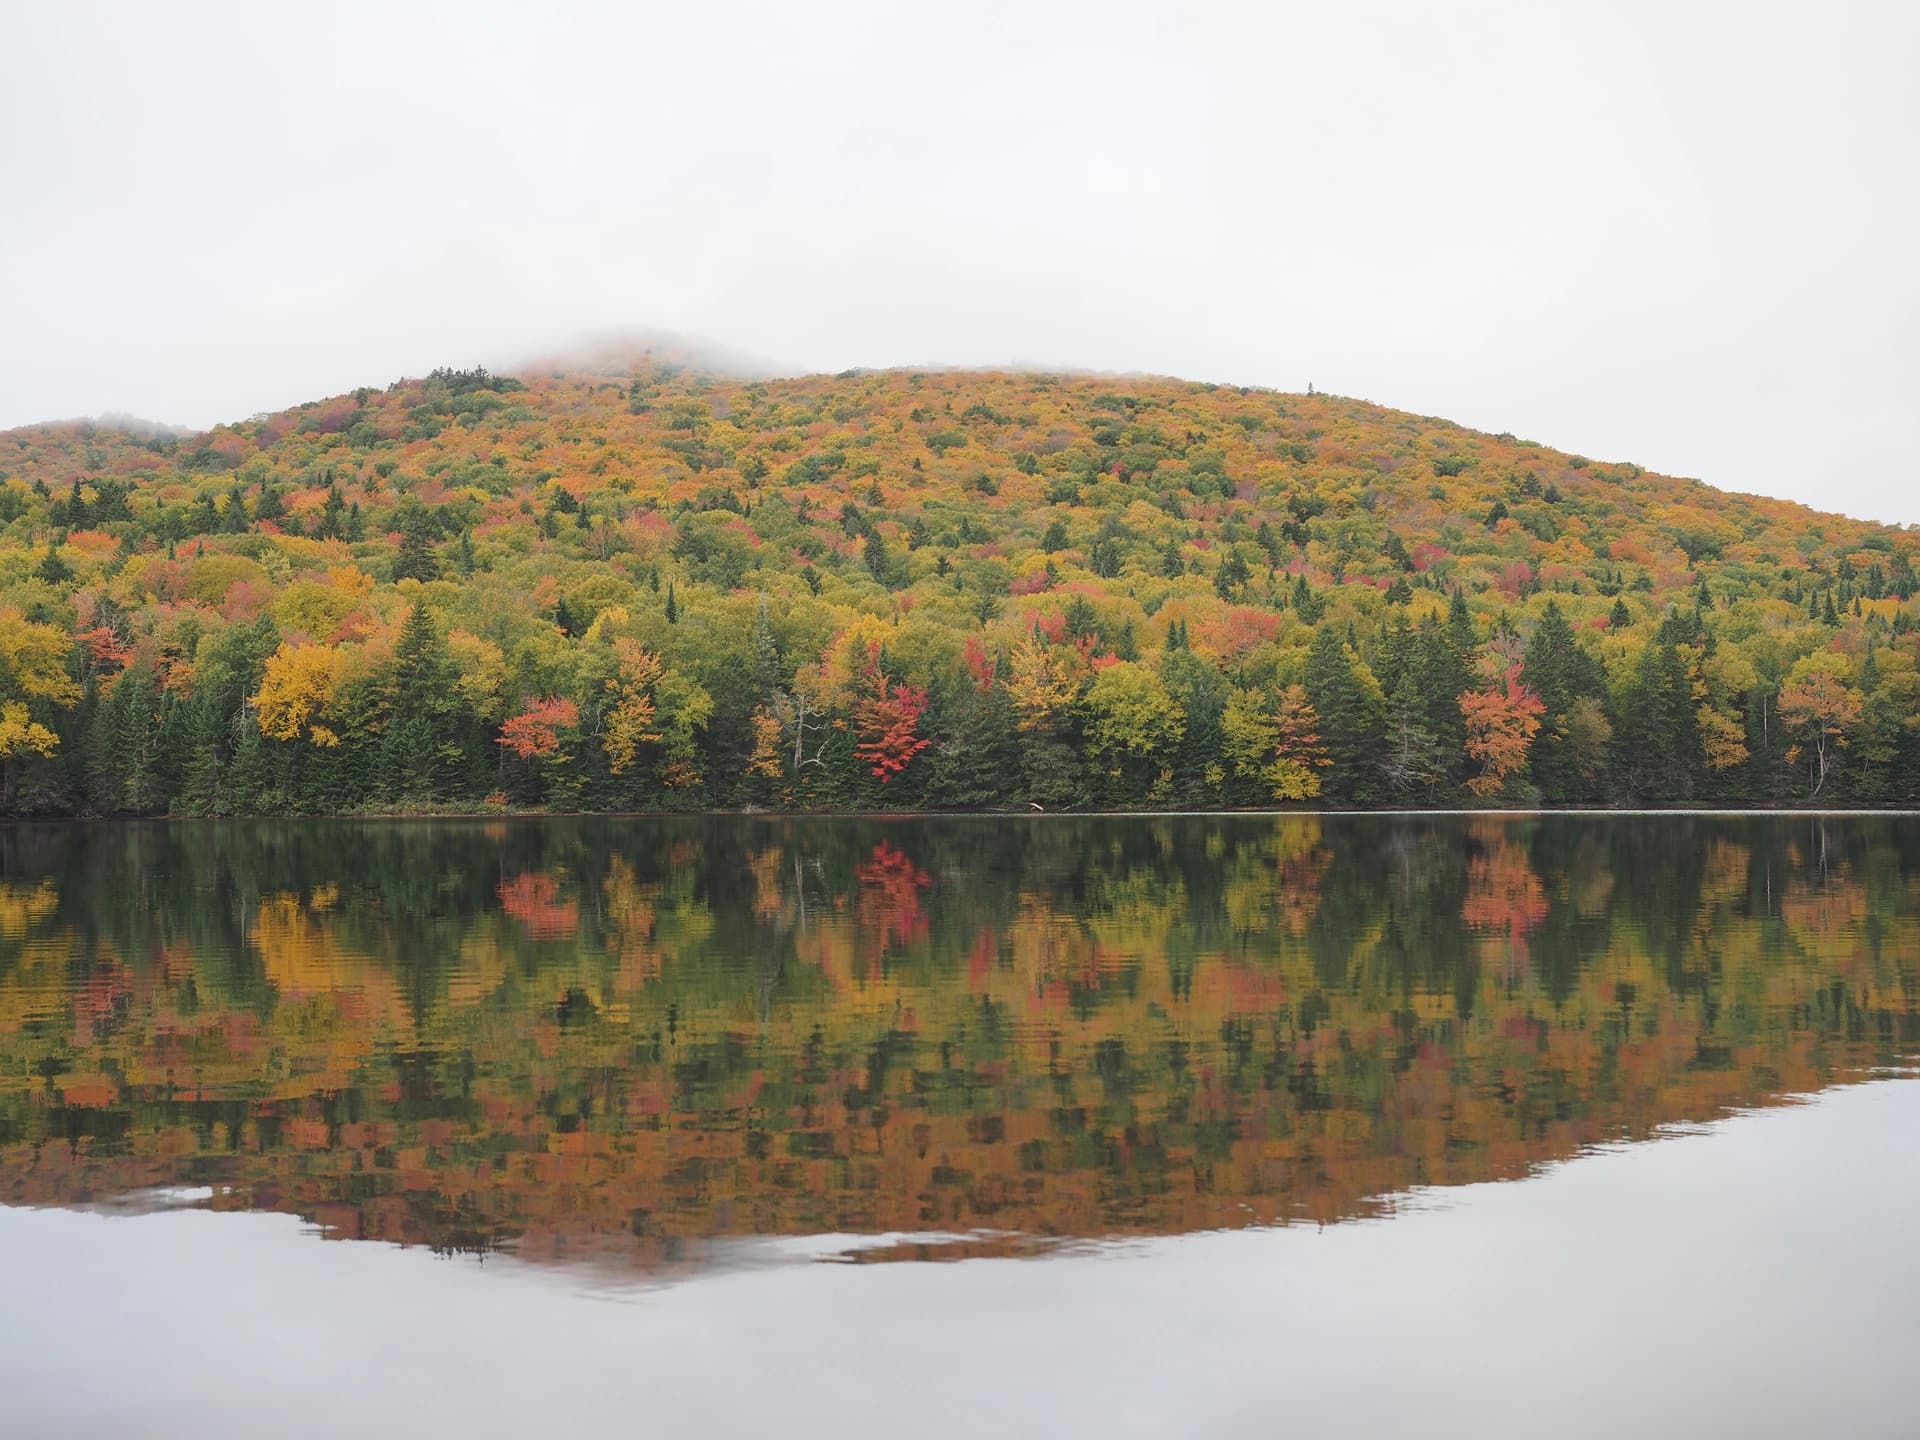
(1679,236)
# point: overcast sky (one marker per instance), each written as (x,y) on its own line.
(1686,235)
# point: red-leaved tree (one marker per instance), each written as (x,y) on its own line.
(887,720)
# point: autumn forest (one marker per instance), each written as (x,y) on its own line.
(645,586)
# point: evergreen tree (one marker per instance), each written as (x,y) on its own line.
(1346,697)
(1232,575)
(417,755)
(879,564)
(1305,603)
(1561,674)
(1201,693)
(415,559)
(52,568)
(1460,629)
(1656,732)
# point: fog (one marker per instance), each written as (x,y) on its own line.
(1680,235)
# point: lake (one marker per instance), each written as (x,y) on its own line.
(1228,1125)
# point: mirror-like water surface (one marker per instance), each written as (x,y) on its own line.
(662,1051)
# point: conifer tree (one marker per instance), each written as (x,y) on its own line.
(1561,674)
(1346,697)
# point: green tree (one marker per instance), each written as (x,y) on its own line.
(1352,713)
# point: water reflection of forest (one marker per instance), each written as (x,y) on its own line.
(635,1036)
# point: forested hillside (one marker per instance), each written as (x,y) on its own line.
(663,588)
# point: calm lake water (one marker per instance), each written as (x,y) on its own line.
(1059,1126)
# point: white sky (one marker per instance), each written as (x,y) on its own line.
(1679,234)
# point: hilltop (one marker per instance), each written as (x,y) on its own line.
(644,585)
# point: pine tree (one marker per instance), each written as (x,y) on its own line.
(1232,575)
(673,606)
(1460,624)
(879,564)
(415,559)
(1352,712)
(1561,674)
(1657,734)
(417,757)
(1308,606)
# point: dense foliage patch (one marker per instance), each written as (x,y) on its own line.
(664,588)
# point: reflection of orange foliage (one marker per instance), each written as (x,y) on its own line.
(1504,896)
(889,905)
(533,898)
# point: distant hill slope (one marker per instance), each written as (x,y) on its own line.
(662,587)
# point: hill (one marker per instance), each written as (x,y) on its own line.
(578,588)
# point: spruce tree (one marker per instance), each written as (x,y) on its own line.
(417,756)
(1352,714)
(415,559)
(1657,735)
(1561,674)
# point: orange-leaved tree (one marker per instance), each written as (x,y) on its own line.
(1501,722)
(1821,709)
(535,733)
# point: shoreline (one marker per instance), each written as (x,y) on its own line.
(1450,812)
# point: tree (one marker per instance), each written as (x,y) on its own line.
(628,723)
(1657,738)
(418,755)
(1821,710)
(1281,747)
(415,559)
(1352,714)
(879,563)
(1041,682)
(1561,674)
(764,763)
(1130,714)
(536,733)
(1501,722)
(52,569)
(1411,758)
(887,722)
(1232,576)
(299,684)
(1305,603)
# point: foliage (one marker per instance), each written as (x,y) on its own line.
(1093,593)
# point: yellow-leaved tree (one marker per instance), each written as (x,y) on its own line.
(295,692)
(629,719)
(33,675)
